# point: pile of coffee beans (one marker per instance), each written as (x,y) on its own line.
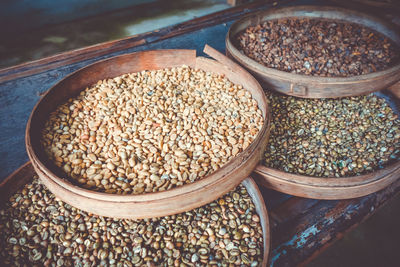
(37,229)
(318,47)
(151,131)
(332,137)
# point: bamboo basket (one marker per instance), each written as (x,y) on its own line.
(25,173)
(311,86)
(147,205)
(331,188)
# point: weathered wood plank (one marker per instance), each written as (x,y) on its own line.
(46,12)
(108,48)
(290,209)
(299,239)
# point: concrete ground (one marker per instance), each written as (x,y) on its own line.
(373,243)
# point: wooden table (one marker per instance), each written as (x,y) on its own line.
(301,228)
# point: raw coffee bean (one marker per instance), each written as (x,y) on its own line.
(151,131)
(332,137)
(185,238)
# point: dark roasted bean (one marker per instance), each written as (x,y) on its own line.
(318,47)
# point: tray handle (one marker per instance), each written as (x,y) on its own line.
(395,89)
(224,60)
(298,89)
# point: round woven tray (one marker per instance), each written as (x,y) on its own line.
(312,86)
(163,203)
(332,188)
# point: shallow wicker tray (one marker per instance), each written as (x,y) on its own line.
(313,86)
(147,205)
(332,188)
(25,173)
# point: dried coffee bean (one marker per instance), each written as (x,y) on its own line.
(332,137)
(151,131)
(318,47)
(190,237)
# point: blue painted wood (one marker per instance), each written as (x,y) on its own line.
(22,15)
(301,238)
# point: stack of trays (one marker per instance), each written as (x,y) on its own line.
(315,126)
(150,154)
(122,137)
